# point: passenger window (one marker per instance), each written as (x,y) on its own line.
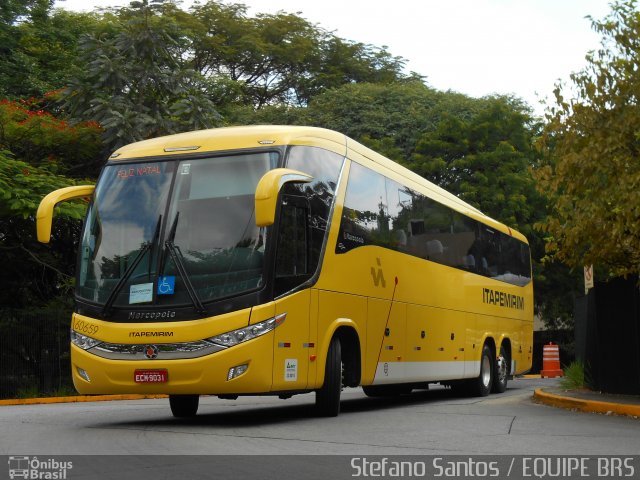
(365,217)
(380,211)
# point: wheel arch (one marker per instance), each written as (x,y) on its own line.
(347,331)
(491,343)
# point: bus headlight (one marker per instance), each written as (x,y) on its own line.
(241,335)
(83,341)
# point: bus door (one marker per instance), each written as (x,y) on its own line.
(292,342)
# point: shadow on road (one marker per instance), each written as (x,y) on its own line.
(230,415)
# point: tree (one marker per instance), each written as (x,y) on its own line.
(136,84)
(386,117)
(591,166)
(35,149)
(38,138)
(38,47)
(278,58)
(484,158)
(31,273)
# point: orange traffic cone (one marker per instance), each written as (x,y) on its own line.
(551,361)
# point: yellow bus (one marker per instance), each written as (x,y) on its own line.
(283,260)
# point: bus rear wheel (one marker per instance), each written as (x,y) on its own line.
(328,396)
(481,386)
(501,373)
(184,406)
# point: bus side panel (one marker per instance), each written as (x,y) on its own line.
(471,363)
(435,344)
(291,343)
(525,357)
(386,342)
(314,305)
(487,327)
(417,327)
(336,309)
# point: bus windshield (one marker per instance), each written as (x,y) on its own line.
(174,232)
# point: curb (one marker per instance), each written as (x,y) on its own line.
(75,399)
(592,406)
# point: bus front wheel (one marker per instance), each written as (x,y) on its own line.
(328,396)
(183,406)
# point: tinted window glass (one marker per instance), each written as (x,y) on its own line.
(365,218)
(379,211)
(312,200)
(128,206)
(213,212)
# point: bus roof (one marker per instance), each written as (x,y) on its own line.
(235,138)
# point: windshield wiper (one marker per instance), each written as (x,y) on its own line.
(178,259)
(127,273)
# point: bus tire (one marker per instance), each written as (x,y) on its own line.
(501,372)
(183,406)
(481,386)
(328,396)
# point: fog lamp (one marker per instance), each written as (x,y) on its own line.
(83,374)
(237,371)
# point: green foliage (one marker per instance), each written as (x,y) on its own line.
(41,139)
(280,58)
(574,377)
(590,145)
(386,117)
(484,158)
(136,84)
(38,47)
(22,186)
(378,113)
(35,149)
(556,287)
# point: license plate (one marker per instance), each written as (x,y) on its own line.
(150,376)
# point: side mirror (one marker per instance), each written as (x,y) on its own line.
(44,217)
(267,192)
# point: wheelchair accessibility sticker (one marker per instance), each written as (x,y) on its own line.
(166,285)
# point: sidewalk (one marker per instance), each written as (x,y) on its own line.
(74,399)
(589,401)
(583,400)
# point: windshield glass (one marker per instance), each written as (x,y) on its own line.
(140,247)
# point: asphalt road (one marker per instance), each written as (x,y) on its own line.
(431,422)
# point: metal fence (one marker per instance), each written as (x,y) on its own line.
(34,353)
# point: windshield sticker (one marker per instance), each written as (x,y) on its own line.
(186,169)
(140,171)
(141,293)
(166,285)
